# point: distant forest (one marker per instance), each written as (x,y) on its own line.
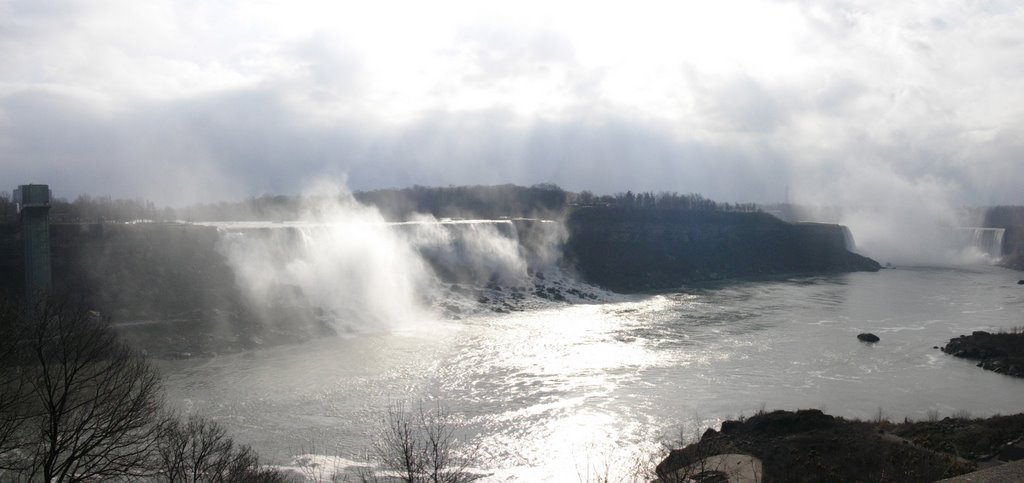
(541,200)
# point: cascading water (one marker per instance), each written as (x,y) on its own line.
(987,241)
(848,239)
(359,274)
(468,251)
(356,272)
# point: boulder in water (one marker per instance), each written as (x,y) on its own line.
(1020,282)
(868,337)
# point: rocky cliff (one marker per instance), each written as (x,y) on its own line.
(634,250)
(139,273)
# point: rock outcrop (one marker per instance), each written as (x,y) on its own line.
(1001,352)
(808,445)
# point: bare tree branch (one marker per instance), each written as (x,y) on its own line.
(420,445)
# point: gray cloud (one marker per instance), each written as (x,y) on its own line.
(924,99)
(251,142)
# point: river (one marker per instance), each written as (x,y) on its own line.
(561,392)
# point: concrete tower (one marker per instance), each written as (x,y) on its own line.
(34,208)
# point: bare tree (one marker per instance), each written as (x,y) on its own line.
(94,403)
(420,445)
(200,450)
(13,390)
(76,404)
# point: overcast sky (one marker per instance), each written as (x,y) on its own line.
(187,100)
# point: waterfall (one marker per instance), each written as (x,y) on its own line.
(361,273)
(469,251)
(848,242)
(365,272)
(988,241)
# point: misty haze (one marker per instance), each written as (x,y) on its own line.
(754,241)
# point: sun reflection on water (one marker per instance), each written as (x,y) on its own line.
(572,392)
(563,372)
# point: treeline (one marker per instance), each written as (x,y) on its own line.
(89,209)
(540,200)
(400,204)
(664,200)
(468,201)
(254,208)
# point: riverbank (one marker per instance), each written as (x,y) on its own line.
(808,445)
(1001,352)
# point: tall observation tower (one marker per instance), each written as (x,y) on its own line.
(34,208)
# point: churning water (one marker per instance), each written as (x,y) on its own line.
(556,391)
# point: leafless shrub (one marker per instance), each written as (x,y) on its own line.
(200,450)
(762,409)
(420,445)
(312,470)
(962,414)
(880,416)
(695,459)
(595,472)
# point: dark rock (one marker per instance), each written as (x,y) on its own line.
(809,445)
(868,337)
(786,422)
(1011,453)
(728,426)
(1002,352)
(1020,282)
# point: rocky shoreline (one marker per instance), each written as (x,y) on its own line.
(808,445)
(1001,352)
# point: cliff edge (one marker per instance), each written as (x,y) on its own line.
(631,250)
